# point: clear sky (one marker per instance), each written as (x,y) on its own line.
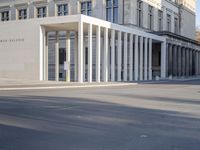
(198,13)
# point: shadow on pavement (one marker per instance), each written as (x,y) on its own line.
(175,82)
(66,123)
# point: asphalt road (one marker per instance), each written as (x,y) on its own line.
(162,116)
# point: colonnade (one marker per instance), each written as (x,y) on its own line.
(119,56)
(183,61)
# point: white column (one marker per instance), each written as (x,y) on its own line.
(167,61)
(183,62)
(84,61)
(76,56)
(57,57)
(196,63)
(179,61)
(80,52)
(141,58)
(187,62)
(199,61)
(105,60)
(163,59)
(41,54)
(90,53)
(136,59)
(119,56)
(68,56)
(170,62)
(150,59)
(191,66)
(98,38)
(109,58)
(125,56)
(131,58)
(175,60)
(112,55)
(46,54)
(145,59)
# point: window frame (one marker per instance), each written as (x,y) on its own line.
(87,10)
(22,17)
(3,18)
(40,4)
(112,7)
(150,17)
(44,14)
(139,13)
(160,20)
(169,22)
(62,13)
(176,26)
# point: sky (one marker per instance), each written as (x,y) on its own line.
(198,13)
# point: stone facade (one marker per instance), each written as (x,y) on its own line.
(183,10)
(148,39)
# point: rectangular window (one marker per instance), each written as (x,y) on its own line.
(176,25)
(139,13)
(41,12)
(115,11)
(86,56)
(62,9)
(22,14)
(5,16)
(86,8)
(160,20)
(150,17)
(62,54)
(168,22)
(112,11)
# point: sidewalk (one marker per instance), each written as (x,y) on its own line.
(12,84)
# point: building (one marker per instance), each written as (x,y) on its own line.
(98,40)
(198,34)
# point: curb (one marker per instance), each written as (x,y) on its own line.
(66,87)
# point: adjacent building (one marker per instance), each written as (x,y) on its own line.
(98,40)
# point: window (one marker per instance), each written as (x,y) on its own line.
(62,9)
(112,10)
(5,16)
(139,13)
(150,18)
(41,12)
(160,20)
(86,56)
(176,25)
(22,14)
(86,8)
(168,22)
(62,54)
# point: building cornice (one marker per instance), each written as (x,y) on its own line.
(180,37)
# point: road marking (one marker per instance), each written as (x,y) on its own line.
(66,87)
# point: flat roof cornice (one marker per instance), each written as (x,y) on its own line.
(180,37)
(48,21)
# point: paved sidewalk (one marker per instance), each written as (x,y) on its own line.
(11,84)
